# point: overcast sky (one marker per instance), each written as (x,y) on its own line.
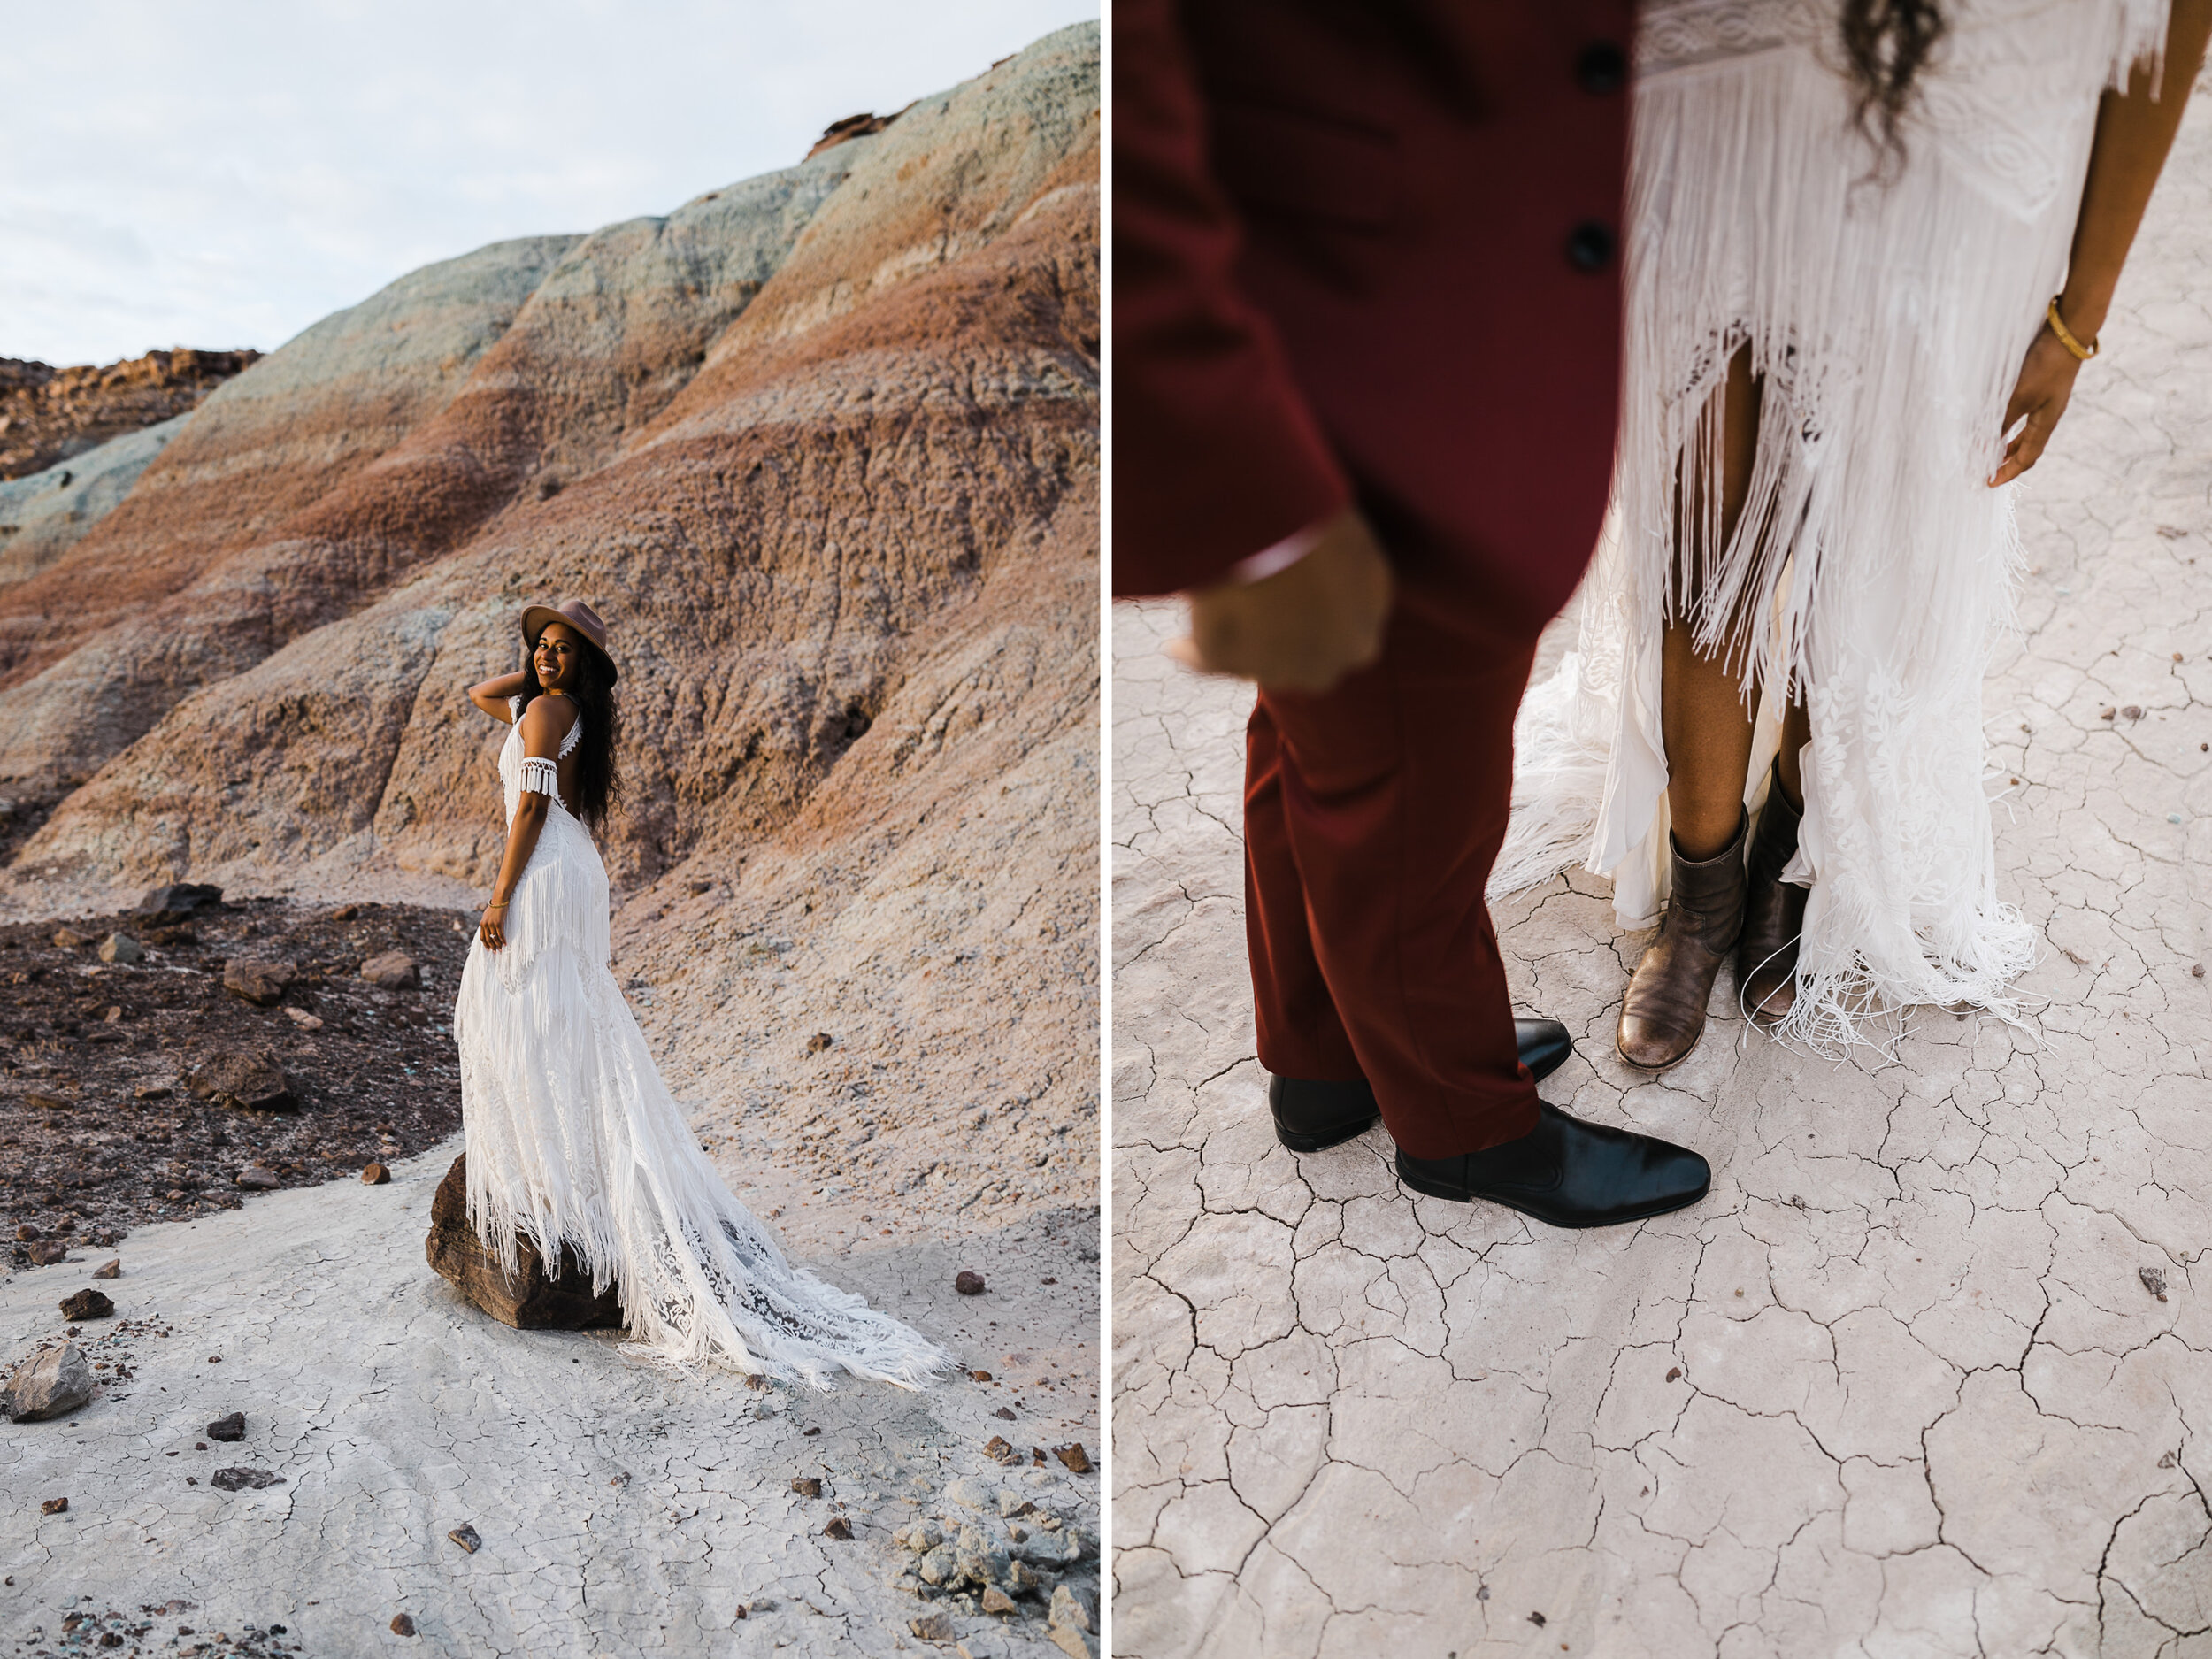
(223,172)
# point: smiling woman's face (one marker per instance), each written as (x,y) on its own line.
(559,657)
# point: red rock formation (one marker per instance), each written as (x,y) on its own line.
(48,414)
(823,448)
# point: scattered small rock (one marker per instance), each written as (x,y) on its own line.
(968,1282)
(261,983)
(2154,1280)
(228,1428)
(931,1627)
(465,1536)
(153,1091)
(54,1506)
(2106,714)
(241,1480)
(87,1304)
(375,1175)
(1674,1373)
(999,1451)
(1074,1642)
(121,948)
(996,1601)
(2168,1461)
(402,1625)
(819,1041)
(51,1384)
(167,906)
(70,938)
(1004,1412)
(1537,1619)
(2132,712)
(304,1020)
(109,1270)
(1074,1456)
(971,1493)
(394,971)
(1067,1609)
(838,1527)
(46,1252)
(258,1178)
(254,1081)
(807,1486)
(978,1376)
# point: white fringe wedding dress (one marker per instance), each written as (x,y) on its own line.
(573,1139)
(1889,320)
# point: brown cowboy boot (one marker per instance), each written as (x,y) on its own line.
(1774,911)
(1663,1012)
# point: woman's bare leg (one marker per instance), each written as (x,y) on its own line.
(1705,720)
(1704,717)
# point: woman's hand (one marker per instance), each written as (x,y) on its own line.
(492,929)
(2046,381)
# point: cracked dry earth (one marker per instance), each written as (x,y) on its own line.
(1898,1387)
(622,1509)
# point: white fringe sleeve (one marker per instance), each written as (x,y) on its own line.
(542,777)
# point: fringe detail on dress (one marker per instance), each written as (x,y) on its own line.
(1872,569)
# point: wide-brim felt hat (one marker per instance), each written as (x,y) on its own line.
(579,616)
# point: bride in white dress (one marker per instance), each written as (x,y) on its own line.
(1867,240)
(571,1137)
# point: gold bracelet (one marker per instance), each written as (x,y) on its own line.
(2066,335)
(501,905)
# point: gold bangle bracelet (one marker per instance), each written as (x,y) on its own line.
(2065,335)
(501,905)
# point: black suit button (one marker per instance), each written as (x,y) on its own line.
(1602,67)
(1590,245)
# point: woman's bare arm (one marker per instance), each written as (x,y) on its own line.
(491,695)
(544,724)
(2134,132)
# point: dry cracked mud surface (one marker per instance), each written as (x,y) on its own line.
(1899,1385)
(621,1508)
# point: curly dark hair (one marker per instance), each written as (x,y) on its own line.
(1887,42)
(598,776)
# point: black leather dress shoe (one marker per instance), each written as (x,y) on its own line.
(1569,1173)
(1311,1115)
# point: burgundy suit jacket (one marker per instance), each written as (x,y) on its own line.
(1368,250)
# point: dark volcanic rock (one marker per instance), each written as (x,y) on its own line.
(242,1479)
(394,971)
(87,1304)
(228,1428)
(253,1080)
(167,906)
(529,1299)
(968,1282)
(46,1252)
(253,980)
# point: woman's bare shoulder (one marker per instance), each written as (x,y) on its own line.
(549,718)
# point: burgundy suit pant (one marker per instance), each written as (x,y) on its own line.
(1372,814)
